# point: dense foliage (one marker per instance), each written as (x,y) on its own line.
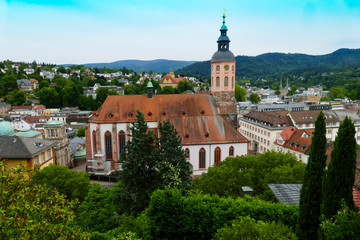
(255,171)
(340,175)
(74,185)
(249,228)
(29,211)
(173,216)
(311,191)
(343,226)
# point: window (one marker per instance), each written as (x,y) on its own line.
(108,147)
(36,160)
(217,81)
(232,82)
(49,154)
(231,151)
(217,68)
(202,158)
(226,81)
(232,67)
(187,153)
(217,156)
(94,141)
(122,141)
(300,156)
(43,157)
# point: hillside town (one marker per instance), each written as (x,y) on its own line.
(89,120)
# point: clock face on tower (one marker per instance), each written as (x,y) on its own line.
(226,67)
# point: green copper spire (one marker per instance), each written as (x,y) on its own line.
(223,27)
(149,85)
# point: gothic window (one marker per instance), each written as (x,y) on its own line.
(187,153)
(108,147)
(232,82)
(231,151)
(94,141)
(122,141)
(226,81)
(217,156)
(217,81)
(202,158)
(217,68)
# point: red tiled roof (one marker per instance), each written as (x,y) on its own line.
(298,143)
(193,115)
(172,79)
(356,196)
(287,133)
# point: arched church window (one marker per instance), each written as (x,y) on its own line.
(122,141)
(187,153)
(232,82)
(232,67)
(94,141)
(217,156)
(202,164)
(217,81)
(217,68)
(226,81)
(108,147)
(231,151)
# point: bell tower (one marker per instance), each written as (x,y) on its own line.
(223,77)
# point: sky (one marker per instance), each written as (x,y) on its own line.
(92,31)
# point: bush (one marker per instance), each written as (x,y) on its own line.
(249,228)
(174,216)
(72,184)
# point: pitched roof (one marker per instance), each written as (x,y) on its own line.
(36,119)
(168,78)
(73,143)
(194,116)
(298,143)
(20,147)
(287,133)
(286,193)
(307,117)
(273,119)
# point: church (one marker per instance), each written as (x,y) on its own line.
(207,123)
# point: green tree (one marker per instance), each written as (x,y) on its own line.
(336,92)
(98,212)
(7,84)
(167,90)
(80,132)
(15,98)
(150,163)
(249,228)
(173,165)
(254,98)
(49,97)
(343,226)
(240,93)
(256,171)
(183,86)
(311,191)
(30,211)
(340,176)
(74,185)
(139,163)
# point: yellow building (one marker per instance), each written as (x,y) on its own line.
(170,80)
(29,151)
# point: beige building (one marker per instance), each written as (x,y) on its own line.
(56,131)
(263,128)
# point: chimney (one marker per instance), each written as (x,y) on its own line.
(150,90)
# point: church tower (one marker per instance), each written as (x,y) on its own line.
(223,78)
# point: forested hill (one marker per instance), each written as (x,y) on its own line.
(280,63)
(158,65)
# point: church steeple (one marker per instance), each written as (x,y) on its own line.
(223,41)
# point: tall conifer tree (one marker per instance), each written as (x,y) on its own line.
(339,178)
(311,191)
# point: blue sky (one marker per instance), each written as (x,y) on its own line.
(84,31)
